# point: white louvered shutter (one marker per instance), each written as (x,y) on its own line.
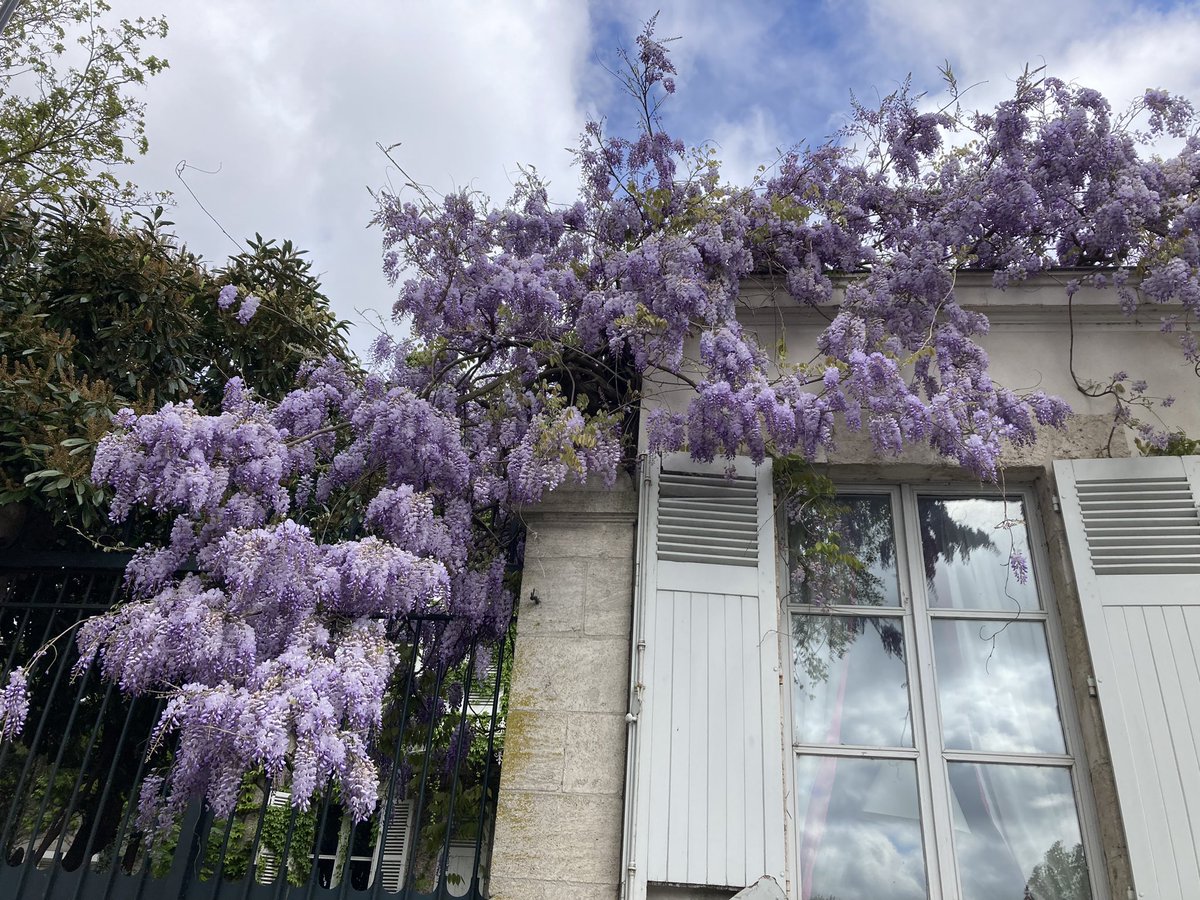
(482,696)
(391,860)
(709,797)
(267,863)
(1134,532)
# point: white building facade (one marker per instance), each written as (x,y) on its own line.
(685,719)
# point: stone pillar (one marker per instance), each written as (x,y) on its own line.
(558,823)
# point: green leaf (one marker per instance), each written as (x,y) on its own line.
(43,473)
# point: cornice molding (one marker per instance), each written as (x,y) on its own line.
(1037,300)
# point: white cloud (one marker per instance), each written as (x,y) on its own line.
(287,100)
(1148,52)
(1117,46)
(746,143)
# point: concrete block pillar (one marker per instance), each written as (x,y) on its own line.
(558,823)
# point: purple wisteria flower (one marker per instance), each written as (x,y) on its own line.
(14,704)
(247,310)
(1019,566)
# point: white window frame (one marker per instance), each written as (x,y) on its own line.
(932,772)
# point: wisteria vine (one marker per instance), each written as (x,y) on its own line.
(307,531)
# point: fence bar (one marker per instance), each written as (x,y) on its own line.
(130,806)
(83,765)
(252,869)
(37,737)
(441,674)
(314,872)
(70,810)
(108,783)
(38,733)
(443,885)
(12,656)
(487,767)
(390,795)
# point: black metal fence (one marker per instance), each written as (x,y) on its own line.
(69,785)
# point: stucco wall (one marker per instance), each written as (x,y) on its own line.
(1030,342)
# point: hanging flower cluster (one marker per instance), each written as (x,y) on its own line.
(311,529)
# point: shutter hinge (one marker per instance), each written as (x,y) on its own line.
(1054,504)
(1091,683)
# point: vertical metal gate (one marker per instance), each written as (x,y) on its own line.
(69,785)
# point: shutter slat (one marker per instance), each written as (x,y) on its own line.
(1144,568)
(1121,550)
(1136,514)
(1110,485)
(1140,503)
(709,492)
(1181,537)
(713,507)
(706,520)
(708,559)
(685,536)
(701,529)
(1130,496)
(740,484)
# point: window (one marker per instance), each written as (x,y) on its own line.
(932,753)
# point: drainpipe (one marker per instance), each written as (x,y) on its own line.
(636,686)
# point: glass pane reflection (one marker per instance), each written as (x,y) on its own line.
(864,527)
(995,687)
(1016,833)
(850,684)
(860,829)
(966,553)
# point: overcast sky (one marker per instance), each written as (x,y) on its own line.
(285,100)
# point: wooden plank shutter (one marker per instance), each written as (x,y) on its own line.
(709,807)
(1134,533)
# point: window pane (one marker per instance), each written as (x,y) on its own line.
(850,684)
(860,828)
(861,525)
(1016,833)
(967,544)
(995,687)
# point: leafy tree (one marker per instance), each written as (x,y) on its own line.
(68,111)
(540,331)
(96,316)
(1061,875)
